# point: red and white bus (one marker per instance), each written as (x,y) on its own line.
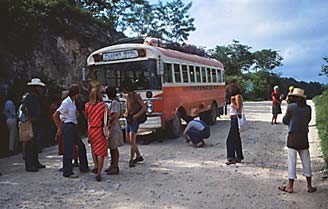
(174,85)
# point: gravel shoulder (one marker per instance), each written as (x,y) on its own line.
(176,175)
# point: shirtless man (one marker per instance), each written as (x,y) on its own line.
(135,108)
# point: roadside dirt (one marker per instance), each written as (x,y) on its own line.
(176,175)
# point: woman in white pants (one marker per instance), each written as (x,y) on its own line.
(297,117)
(10,114)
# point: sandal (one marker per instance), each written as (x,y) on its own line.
(284,189)
(230,162)
(114,170)
(95,170)
(98,178)
(312,190)
(138,159)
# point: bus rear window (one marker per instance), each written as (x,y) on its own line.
(185,74)
(168,77)
(177,74)
(214,75)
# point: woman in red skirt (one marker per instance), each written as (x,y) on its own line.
(94,111)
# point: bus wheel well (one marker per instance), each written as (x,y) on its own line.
(182,112)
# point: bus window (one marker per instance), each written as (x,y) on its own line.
(185,74)
(222,75)
(177,74)
(198,75)
(192,74)
(204,75)
(100,76)
(214,75)
(209,77)
(219,76)
(168,77)
(110,77)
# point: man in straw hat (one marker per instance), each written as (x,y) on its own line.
(297,117)
(31,108)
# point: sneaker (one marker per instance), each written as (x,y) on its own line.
(32,170)
(72,176)
(138,159)
(76,164)
(39,166)
(132,164)
(98,178)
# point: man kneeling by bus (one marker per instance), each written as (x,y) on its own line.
(196,131)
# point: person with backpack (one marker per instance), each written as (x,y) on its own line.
(32,111)
(196,131)
(136,110)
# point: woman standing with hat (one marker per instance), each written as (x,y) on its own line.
(297,117)
(31,108)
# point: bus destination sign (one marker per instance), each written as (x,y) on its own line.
(129,54)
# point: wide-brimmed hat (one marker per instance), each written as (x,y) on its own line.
(36,82)
(298,92)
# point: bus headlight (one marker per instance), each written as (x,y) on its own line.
(149,106)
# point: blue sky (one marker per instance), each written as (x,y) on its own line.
(296,28)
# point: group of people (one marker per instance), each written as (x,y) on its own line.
(104,129)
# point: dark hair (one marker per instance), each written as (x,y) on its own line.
(300,101)
(128,85)
(111,92)
(73,90)
(234,90)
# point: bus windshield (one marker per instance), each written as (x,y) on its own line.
(142,73)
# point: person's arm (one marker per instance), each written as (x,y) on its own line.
(287,116)
(236,102)
(142,110)
(58,122)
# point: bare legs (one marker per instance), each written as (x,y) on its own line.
(132,139)
(274,119)
(113,169)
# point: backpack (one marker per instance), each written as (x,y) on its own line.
(142,118)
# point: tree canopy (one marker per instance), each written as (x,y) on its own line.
(324,68)
(169,20)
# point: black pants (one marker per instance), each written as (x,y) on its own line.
(234,147)
(31,148)
(71,137)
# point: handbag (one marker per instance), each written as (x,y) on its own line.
(25,131)
(105,123)
(242,118)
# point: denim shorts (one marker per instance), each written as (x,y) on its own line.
(132,127)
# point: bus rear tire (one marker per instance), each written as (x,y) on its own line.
(209,117)
(174,128)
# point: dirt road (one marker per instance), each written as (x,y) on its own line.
(175,175)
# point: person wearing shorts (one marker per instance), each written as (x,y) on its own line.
(135,108)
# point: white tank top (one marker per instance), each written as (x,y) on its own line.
(233,110)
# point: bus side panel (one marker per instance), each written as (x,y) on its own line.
(194,99)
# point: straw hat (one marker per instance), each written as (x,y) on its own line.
(36,82)
(298,92)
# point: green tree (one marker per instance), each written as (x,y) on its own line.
(324,67)
(267,60)
(236,57)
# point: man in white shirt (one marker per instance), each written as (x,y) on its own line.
(66,113)
(196,131)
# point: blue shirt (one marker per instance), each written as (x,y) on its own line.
(9,110)
(297,118)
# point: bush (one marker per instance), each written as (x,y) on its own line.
(322,124)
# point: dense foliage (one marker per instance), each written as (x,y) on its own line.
(324,68)
(169,20)
(322,125)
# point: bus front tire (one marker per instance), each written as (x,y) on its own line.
(174,128)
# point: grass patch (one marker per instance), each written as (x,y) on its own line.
(322,122)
